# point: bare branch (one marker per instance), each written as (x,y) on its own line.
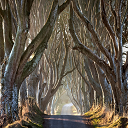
(58,83)
(115,16)
(120,32)
(50,70)
(63,6)
(80,72)
(69,72)
(95,85)
(92,31)
(108,26)
(1,12)
(40,38)
(125,37)
(87,52)
(38,44)
(125,15)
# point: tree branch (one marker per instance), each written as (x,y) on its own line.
(85,80)
(125,15)
(115,16)
(31,65)
(92,31)
(63,6)
(109,28)
(40,40)
(96,86)
(38,44)
(69,72)
(120,32)
(58,83)
(18,46)
(50,71)
(1,12)
(87,52)
(1,42)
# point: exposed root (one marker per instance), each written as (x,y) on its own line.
(30,119)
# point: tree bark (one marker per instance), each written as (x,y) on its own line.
(23,94)
(95,85)
(1,41)
(33,84)
(10,87)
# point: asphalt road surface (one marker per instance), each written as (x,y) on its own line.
(66,120)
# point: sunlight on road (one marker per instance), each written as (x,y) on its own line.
(68,109)
(65,119)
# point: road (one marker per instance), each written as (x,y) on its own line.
(66,120)
(67,109)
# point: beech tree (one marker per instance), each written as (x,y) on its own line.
(16,18)
(55,68)
(114,69)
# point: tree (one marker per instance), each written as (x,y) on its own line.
(55,67)
(16,15)
(113,69)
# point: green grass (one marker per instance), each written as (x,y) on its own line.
(35,117)
(36,125)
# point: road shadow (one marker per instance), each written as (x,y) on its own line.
(66,121)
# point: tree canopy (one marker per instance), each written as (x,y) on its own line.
(77,44)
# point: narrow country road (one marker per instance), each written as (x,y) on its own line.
(66,119)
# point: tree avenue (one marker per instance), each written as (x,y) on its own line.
(72,45)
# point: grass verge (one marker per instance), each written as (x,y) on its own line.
(102,118)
